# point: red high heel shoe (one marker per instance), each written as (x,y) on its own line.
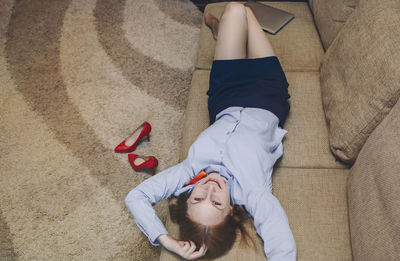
(122,147)
(149,162)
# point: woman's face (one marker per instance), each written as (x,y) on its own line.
(209,202)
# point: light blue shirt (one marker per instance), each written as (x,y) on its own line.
(243,147)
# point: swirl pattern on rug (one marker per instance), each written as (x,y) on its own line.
(77,78)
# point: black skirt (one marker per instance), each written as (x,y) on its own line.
(255,82)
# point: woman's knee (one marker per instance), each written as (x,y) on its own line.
(235,8)
(248,10)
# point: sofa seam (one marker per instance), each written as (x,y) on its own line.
(307,167)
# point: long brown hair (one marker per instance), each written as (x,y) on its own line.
(220,238)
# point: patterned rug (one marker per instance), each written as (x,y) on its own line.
(77,77)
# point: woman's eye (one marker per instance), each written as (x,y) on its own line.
(217,203)
(197,199)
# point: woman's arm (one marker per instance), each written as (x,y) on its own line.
(272,225)
(141,199)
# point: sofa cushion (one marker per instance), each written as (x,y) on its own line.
(315,203)
(305,144)
(330,16)
(299,34)
(374,193)
(360,75)
(196,114)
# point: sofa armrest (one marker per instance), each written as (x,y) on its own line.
(374,193)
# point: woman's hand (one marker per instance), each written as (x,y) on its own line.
(185,249)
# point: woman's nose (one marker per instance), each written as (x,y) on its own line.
(210,190)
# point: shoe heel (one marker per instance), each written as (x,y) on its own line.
(148,137)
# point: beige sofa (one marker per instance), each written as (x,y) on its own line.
(339,177)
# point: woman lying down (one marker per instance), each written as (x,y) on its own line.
(230,164)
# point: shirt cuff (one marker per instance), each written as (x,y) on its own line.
(154,234)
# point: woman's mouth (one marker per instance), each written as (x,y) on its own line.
(213,180)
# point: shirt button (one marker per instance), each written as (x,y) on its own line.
(228,133)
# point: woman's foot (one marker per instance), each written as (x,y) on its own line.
(212,22)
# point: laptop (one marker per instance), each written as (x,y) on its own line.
(271,19)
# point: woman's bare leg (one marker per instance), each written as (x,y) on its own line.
(213,23)
(232,33)
(258,44)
